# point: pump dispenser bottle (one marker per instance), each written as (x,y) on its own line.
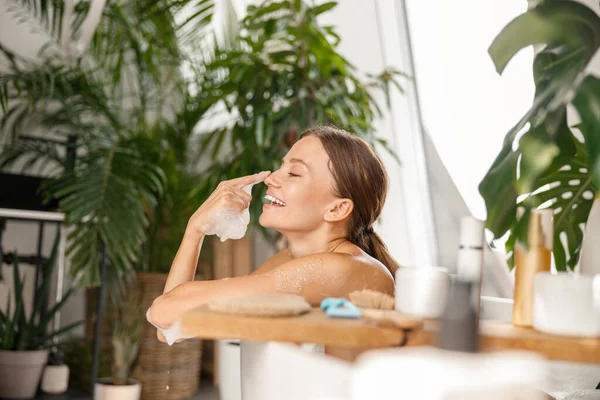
(460,322)
(470,249)
(470,256)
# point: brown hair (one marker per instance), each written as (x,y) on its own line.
(361,177)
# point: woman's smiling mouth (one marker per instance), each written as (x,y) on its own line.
(274,201)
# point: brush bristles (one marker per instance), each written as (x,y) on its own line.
(372,299)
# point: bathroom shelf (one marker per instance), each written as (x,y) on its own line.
(313,327)
(504,336)
(316,327)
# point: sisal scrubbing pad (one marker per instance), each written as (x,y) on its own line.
(261,305)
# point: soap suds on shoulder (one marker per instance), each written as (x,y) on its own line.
(312,273)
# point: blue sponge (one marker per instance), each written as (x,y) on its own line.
(339,308)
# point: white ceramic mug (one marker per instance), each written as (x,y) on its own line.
(422,291)
(567,304)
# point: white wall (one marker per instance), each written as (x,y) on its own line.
(467,107)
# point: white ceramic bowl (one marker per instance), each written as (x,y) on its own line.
(567,304)
(422,291)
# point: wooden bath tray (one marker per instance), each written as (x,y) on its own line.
(316,327)
(313,327)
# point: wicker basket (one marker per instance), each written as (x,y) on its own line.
(166,372)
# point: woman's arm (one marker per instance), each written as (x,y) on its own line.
(314,277)
(228,195)
(185,263)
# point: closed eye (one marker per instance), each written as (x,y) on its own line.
(292,174)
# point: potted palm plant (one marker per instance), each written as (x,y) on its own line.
(25,340)
(55,379)
(546,162)
(126,324)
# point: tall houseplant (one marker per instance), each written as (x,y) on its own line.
(25,340)
(544,162)
(284,75)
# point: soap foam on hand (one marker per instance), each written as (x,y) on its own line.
(172,333)
(230,223)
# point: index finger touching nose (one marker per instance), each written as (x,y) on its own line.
(250,179)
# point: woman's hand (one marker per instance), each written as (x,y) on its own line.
(162,317)
(228,195)
(170,307)
(159,314)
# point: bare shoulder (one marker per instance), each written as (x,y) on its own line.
(336,274)
(368,270)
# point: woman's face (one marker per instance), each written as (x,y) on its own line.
(304,188)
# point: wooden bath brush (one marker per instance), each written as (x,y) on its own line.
(378,307)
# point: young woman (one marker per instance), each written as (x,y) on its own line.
(324,199)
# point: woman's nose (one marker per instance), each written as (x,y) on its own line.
(273,179)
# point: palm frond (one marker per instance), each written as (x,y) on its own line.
(41,156)
(101,199)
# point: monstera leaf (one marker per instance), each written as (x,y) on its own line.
(569,193)
(571,33)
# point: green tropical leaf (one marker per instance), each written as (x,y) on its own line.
(49,336)
(47,316)
(42,293)
(570,194)
(19,322)
(101,198)
(8,328)
(550,23)
(587,102)
(499,192)
(321,8)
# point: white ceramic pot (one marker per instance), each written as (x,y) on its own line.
(20,373)
(567,304)
(105,390)
(589,263)
(422,291)
(55,379)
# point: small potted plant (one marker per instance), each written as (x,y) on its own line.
(127,325)
(25,339)
(55,379)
